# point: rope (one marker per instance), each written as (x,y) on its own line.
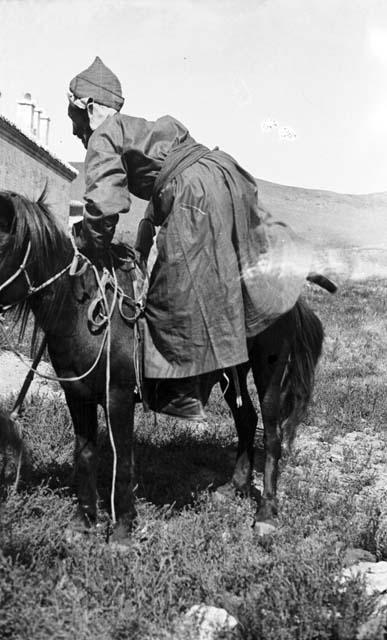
(109,426)
(54,378)
(235,379)
(110,431)
(118,295)
(22,269)
(225,376)
(33,289)
(108,316)
(18,271)
(136,359)
(104,338)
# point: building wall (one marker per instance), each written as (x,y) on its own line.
(26,168)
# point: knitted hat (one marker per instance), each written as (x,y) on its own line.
(100,83)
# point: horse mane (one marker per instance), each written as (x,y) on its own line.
(34,222)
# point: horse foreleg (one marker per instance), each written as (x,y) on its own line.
(120,421)
(84,417)
(246,419)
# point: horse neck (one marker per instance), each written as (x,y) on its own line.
(48,304)
(61,306)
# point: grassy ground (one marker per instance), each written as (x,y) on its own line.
(188,547)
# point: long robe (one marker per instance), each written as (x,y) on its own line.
(225,269)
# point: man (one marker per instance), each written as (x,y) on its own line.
(223,271)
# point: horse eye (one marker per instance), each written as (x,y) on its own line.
(5,225)
(7,218)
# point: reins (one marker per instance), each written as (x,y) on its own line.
(22,269)
(99,314)
(31,291)
(74,271)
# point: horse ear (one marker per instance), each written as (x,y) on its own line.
(43,196)
(7,213)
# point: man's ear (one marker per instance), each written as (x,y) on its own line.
(90,107)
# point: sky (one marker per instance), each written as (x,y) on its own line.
(295,90)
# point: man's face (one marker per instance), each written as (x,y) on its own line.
(81,124)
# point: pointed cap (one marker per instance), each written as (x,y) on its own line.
(100,83)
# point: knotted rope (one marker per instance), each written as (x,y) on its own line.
(99,314)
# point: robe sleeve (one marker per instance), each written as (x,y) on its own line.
(106,180)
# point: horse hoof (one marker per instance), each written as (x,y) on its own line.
(264,529)
(224,492)
(74,536)
(119,547)
(121,533)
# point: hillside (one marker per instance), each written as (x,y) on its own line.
(329,217)
(349,231)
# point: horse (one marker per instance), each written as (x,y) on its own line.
(90,325)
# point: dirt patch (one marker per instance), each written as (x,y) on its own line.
(13,372)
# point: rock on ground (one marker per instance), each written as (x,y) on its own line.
(208,622)
(375,574)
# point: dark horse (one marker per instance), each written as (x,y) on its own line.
(34,249)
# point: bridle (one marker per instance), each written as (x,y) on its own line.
(103,319)
(22,270)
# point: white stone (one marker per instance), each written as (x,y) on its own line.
(375,574)
(210,621)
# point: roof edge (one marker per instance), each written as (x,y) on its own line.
(13,134)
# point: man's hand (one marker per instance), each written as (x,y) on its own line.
(96,236)
(144,239)
(141,260)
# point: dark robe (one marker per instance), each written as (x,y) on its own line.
(225,269)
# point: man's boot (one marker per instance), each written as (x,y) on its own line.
(178,397)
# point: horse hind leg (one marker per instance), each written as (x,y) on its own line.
(268,371)
(245,418)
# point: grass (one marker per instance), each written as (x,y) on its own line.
(10,338)
(188,547)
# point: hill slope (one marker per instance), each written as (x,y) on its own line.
(326,217)
(323,217)
(342,225)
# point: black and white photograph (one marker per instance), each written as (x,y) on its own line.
(193,320)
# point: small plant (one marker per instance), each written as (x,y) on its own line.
(189,548)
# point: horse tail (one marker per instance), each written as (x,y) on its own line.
(298,382)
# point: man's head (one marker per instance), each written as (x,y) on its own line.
(95,93)
(81,123)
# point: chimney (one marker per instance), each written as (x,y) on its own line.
(36,127)
(25,113)
(44,127)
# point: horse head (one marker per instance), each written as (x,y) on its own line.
(32,246)
(13,288)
